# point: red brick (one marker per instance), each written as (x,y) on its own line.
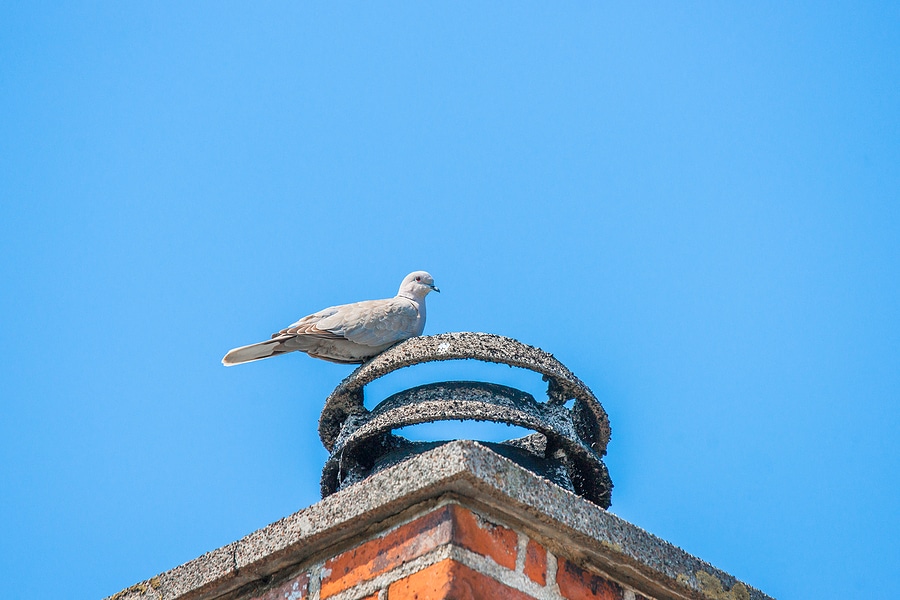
(494,541)
(536,562)
(298,585)
(383,554)
(577,584)
(448,524)
(450,580)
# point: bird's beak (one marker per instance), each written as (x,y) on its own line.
(434,287)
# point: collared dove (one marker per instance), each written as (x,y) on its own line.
(349,333)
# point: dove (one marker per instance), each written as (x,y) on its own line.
(349,333)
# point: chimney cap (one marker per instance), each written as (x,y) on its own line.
(567,447)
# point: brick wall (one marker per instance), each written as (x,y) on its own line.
(452,553)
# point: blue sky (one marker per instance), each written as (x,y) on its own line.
(695,206)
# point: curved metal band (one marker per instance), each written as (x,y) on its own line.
(468,400)
(347,398)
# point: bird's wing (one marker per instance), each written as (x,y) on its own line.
(309,326)
(373,322)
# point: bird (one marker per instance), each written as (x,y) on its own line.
(349,333)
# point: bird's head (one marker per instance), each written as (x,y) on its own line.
(417,284)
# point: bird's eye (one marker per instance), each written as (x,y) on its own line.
(418,279)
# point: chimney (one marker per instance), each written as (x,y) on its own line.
(458,520)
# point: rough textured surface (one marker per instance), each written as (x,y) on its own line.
(472,475)
(363,440)
(563,385)
(450,580)
(569,449)
(295,588)
(535,562)
(449,524)
(577,584)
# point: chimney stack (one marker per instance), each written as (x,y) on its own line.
(454,520)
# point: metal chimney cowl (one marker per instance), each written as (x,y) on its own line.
(566,447)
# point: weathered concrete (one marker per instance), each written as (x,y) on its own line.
(473,475)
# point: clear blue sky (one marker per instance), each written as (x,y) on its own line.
(695,206)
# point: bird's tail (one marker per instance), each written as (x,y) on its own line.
(250,353)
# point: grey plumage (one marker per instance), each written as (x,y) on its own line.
(349,333)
